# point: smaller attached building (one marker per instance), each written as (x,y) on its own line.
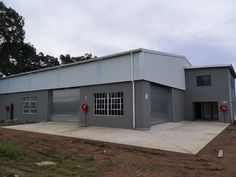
(207,88)
(134,89)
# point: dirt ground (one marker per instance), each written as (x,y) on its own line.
(77,157)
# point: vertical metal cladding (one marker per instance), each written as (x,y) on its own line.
(160,104)
(164,69)
(66,104)
(160,68)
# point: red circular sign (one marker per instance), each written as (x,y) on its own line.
(223,108)
(7,107)
(85,107)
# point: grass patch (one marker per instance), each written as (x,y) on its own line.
(19,157)
(3,174)
(67,167)
(10,150)
(85,166)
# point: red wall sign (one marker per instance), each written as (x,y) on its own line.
(223,108)
(85,107)
(7,107)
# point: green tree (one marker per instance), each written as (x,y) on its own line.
(16,56)
(11,25)
(23,58)
(65,59)
(11,37)
(46,61)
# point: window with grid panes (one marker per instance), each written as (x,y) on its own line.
(204,80)
(110,104)
(30,105)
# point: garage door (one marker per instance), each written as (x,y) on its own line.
(160,104)
(66,105)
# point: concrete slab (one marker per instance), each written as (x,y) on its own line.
(185,137)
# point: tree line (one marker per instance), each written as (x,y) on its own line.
(17,56)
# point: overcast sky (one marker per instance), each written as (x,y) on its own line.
(202,30)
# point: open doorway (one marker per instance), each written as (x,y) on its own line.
(11,111)
(206,111)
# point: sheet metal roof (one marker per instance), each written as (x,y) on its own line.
(215,66)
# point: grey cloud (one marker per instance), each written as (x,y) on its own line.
(203,31)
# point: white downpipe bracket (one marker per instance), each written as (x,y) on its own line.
(133,89)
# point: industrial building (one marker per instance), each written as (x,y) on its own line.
(134,89)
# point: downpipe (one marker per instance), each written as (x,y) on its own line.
(133,90)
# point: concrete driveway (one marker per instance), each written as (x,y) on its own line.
(186,137)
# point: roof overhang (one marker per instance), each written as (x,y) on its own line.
(229,66)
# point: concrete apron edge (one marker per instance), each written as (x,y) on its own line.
(143,149)
(212,139)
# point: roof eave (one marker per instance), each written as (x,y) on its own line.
(232,71)
(230,66)
(76,63)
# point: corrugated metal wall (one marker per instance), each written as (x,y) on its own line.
(164,70)
(66,105)
(154,67)
(92,73)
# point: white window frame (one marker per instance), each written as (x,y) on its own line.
(30,109)
(110,108)
(100,104)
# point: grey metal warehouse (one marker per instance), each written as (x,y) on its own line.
(134,89)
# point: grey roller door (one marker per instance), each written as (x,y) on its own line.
(66,105)
(160,104)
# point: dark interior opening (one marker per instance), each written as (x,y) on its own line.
(206,111)
(11,111)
